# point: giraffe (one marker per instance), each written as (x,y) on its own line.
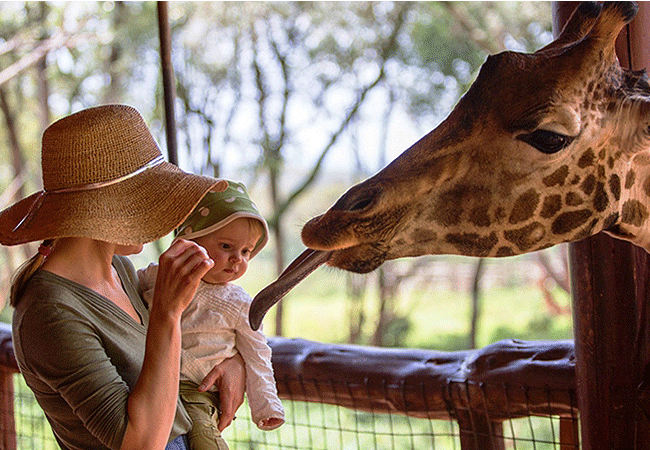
(544,148)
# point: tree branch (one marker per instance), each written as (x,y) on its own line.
(58,40)
(386,53)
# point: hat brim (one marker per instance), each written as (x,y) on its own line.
(135,211)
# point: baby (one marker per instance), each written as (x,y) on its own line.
(215,325)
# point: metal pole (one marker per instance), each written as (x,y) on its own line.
(169,89)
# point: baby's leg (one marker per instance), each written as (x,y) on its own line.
(203,408)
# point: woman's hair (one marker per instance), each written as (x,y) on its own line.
(26,270)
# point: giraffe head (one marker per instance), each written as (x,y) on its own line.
(544,148)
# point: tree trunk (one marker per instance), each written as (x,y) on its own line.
(41,75)
(476,302)
(18,160)
(383,311)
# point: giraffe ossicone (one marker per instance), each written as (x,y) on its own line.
(544,148)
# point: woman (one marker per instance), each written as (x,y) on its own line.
(103,367)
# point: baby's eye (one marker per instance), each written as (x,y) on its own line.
(225,246)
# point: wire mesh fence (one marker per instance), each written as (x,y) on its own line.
(320,426)
(345,397)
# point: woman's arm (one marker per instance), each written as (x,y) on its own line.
(152,403)
(230,378)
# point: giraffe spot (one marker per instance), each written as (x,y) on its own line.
(569,221)
(610,221)
(573,199)
(450,205)
(479,216)
(472,244)
(585,232)
(557,178)
(505,251)
(524,206)
(615,186)
(587,159)
(588,185)
(630,178)
(499,214)
(601,200)
(610,162)
(423,235)
(646,186)
(551,205)
(634,213)
(575,180)
(524,238)
(508,179)
(446,213)
(601,172)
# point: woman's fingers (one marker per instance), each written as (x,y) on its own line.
(180,270)
(183,256)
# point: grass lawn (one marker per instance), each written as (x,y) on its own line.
(437,315)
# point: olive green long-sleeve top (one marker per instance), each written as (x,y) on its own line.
(81,355)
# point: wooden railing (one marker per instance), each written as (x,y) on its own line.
(480,389)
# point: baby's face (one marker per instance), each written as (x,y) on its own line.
(230,248)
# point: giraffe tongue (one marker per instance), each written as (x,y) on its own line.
(303,265)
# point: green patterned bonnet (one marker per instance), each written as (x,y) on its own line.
(218,209)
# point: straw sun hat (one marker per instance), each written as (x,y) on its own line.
(104,178)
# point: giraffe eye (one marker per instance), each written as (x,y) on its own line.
(546,141)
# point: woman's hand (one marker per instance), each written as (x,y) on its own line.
(230,379)
(180,270)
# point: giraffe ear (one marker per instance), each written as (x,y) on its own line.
(599,23)
(610,22)
(581,21)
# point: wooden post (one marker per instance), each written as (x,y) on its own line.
(7,421)
(569,439)
(610,293)
(478,432)
(8,368)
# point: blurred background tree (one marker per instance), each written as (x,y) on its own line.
(299,100)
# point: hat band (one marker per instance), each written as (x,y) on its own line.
(84,187)
(99,184)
